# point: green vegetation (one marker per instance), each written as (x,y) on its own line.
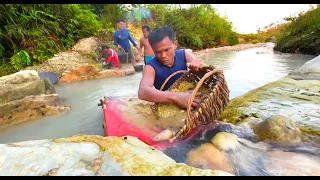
(267,34)
(301,34)
(197,27)
(30,34)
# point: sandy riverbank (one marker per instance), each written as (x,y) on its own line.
(238,47)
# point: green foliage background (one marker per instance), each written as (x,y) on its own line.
(30,34)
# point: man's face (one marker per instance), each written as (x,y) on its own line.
(145,33)
(164,51)
(120,25)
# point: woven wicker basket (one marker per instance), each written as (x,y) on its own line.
(211,106)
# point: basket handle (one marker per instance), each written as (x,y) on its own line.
(181,71)
(194,92)
(168,78)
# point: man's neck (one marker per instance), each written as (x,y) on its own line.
(170,65)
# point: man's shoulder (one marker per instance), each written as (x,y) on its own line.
(149,68)
(143,40)
(153,61)
(125,30)
(180,50)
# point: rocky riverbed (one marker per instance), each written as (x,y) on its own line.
(274,127)
(91,155)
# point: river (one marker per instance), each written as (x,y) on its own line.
(244,70)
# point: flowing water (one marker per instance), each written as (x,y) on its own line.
(244,70)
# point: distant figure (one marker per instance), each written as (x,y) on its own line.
(111,57)
(121,40)
(144,43)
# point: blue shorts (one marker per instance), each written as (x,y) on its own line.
(147,59)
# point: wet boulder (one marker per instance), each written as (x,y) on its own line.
(30,107)
(24,96)
(20,85)
(225,141)
(278,128)
(91,156)
(309,71)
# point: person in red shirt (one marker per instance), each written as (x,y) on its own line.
(112,57)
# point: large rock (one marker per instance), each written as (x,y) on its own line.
(49,87)
(309,71)
(20,85)
(30,107)
(297,99)
(91,155)
(278,128)
(24,96)
(207,156)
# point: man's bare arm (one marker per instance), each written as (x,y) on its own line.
(141,46)
(148,93)
(141,43)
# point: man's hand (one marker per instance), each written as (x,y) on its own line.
(119,47)
(182,98)
(196,64)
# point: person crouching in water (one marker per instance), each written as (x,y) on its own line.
(111,59)
(144,43)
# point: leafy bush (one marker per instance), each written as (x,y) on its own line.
(207,29)
(301,34)
(32,33)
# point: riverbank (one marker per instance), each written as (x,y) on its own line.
(82,62)
(238,47)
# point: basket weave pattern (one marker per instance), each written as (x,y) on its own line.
(211,106)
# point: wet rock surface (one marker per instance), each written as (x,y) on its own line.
(91,155)
(299,100)
(278,128)
(25,96)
